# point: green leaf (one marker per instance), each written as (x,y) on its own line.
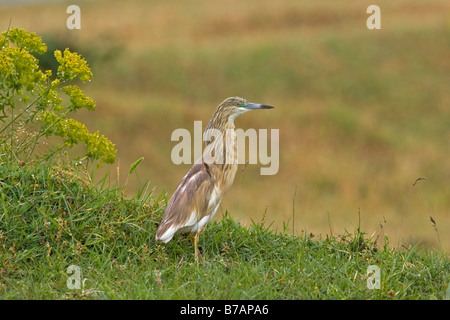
(135,164)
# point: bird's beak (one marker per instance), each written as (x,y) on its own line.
(252,106)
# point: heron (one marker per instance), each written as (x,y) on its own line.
(200,192)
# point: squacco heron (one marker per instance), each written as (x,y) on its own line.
(198,196)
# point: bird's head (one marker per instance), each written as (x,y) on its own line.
(233,107)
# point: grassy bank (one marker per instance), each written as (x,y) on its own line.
(53,217)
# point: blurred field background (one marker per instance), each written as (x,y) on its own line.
(362,113)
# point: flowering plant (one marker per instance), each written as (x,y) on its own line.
(31,102)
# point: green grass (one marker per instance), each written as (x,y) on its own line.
(53,217)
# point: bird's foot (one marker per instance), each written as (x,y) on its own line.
(199,258)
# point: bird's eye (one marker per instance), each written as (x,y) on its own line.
(241,105)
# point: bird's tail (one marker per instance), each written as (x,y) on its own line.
(165,234)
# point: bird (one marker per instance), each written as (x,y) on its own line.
(200,192)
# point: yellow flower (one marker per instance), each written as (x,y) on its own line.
(72,65)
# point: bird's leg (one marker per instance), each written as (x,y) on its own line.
(194,240)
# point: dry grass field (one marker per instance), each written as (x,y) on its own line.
(361,113)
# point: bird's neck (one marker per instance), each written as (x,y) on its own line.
(229,124)
(221,144)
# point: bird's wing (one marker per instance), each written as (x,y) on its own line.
(189,201)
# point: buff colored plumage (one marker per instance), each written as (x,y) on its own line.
(198,196)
